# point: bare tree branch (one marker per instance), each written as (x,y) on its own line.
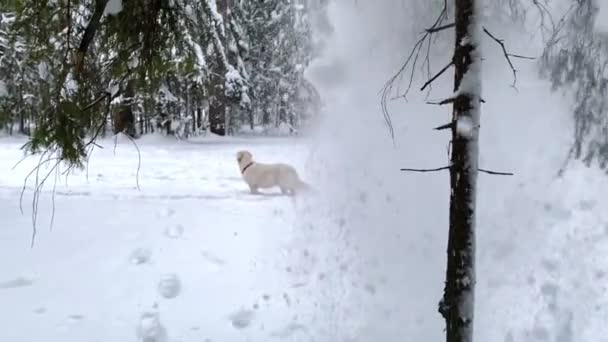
(443,127)
(496,173)
(507,55)
(445,68)
(427,170)
(522,57)
(412,60)
(440,28)
(490,172)
(442,102)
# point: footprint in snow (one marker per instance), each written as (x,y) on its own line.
(169,286)
(140,256)
(214,262)
(150,329)
(76,317)
(166,212)
(242,318)
(16,283)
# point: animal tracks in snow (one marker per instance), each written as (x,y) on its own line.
(16,283)
(213,262)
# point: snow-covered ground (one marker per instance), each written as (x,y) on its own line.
(191,246)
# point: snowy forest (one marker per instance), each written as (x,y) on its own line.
(138,67)
(303,170)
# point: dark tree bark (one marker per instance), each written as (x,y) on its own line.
(199,117)
(251,119)
(217,103)
(217,98)
(124,119)
(89,33)
(457,305)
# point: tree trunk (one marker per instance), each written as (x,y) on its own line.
(141,124)
(199,118)
(217,103)
(251,120)
(457,305)
(124,121)
(218,99)
(21,122)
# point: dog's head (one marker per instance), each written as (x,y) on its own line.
(243,156)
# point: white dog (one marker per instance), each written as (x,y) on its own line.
(263,176)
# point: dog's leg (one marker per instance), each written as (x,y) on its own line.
(284,191)
(254,189)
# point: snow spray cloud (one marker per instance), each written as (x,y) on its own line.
(390,254)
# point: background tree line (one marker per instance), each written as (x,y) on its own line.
(74,69)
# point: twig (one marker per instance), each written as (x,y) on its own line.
(507,55)
(442,102)
(445,68)
(53,200)
(442,127)
(522,57)
(413,59)
(440,28)
(96,102)
(35,169)
(427,170)
(21,160)
(36,200)
(138,159)
(496,173)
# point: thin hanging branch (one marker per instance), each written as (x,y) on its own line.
(412,59)
(507,55)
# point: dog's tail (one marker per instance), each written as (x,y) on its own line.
(305,187)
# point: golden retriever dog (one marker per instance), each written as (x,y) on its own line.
(264,176)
